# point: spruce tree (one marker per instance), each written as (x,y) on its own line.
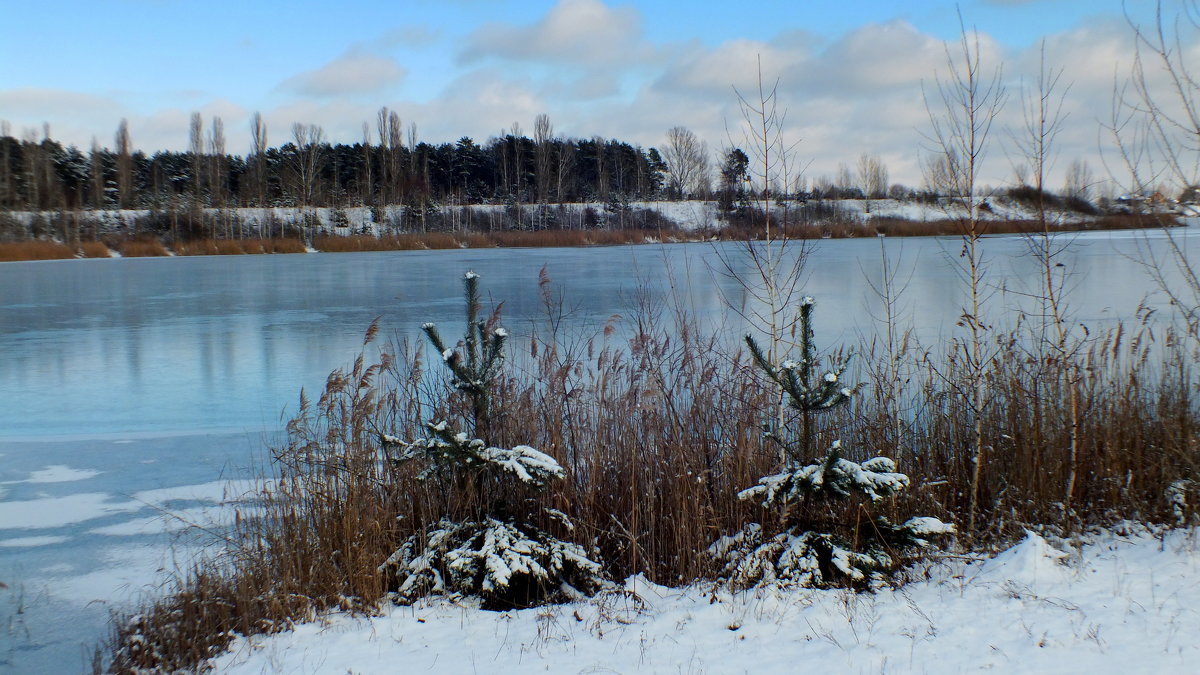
(830,534)
(487,544)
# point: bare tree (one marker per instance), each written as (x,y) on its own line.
(7,199)
(1060,343)
(563,170)
(1156,129)
(686,157)
(366,180)
(872,177)
(543,136)
(845,181)
(216,173)
(1079,181)
(961,112)
(601,168)
(770,271)
(308,160)
(124,165)
(258,152)
(196,147)
(97,170)
(391,145)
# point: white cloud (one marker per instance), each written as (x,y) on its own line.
(590,68)
(576,31)
(352,73)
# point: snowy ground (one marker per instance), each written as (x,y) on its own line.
(688,215)
(1120,603)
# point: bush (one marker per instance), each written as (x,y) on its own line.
(497,552)
(823,542)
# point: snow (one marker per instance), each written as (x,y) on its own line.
(31,542)
(687,215)
(59,473)
(60,511)
(1119,603)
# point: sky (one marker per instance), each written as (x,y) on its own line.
(850,74)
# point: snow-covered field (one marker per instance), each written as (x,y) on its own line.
(688,215)
(1123,601)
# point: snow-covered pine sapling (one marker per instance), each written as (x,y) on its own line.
(496,552)
(829,536)
(795,380)
(476,367)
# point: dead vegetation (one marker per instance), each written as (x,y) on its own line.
(658,425)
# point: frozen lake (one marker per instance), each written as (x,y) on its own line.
(138,395)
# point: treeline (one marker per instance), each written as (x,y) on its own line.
(389,167)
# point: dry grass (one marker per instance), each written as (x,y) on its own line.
(209,247)
(658,431)
(94,249)
(278,245)
(238,246)
(34,250)
(141,248)
(499,238)
(842,228)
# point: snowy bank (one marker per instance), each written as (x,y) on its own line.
(1120,603)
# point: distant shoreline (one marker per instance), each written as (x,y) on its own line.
(289,230)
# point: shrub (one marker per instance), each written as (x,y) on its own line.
(823,542)
(489,545)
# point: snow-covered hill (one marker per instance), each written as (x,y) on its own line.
(1119,603)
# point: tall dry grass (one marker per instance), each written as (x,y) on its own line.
(849,227)
(658,425)
(498,238)
(94,249)
(141,248)
(34,250)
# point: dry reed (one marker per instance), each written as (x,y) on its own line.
(141,248)
(34,250)
(94,249)
(658,430)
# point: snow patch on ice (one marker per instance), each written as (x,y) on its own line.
(60,511)
(60,473)
(31,542)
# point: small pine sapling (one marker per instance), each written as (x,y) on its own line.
(830,534)
(794,379)
(495,551)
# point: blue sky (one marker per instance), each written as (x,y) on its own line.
(850,72)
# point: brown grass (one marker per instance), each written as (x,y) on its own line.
(238,246)
(34,250)
(208,247)
(658,431)
(141,248)
(499,238)
(94,249)
(841,228)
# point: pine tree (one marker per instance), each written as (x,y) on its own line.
(830,535)
(495,551)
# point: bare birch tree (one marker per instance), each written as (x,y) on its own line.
(258,152)
(216,172)
(770,271)
(686,157)
(124,165)
(1155,127)
(1060,340)
(962,108)
(196,148)
(543,136)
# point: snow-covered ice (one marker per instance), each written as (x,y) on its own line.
(1119,603)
